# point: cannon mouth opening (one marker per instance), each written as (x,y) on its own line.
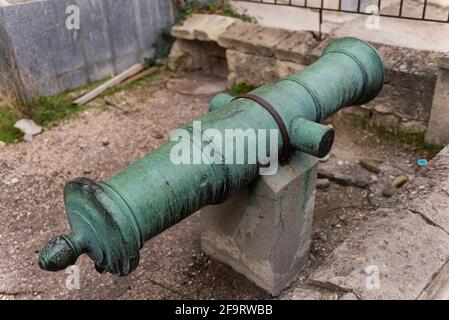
(369,60)
(326,143)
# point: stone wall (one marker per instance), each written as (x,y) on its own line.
(406,99)
(258,55)
(195,55)
(8,81)
(49,58)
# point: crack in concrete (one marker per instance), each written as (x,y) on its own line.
(445,191)
(340,291)
(434,276)
(426,219)
(20,293)
(156,283)
(281,222)
(353,207)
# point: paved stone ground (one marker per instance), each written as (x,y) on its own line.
(398,32)
(98,144)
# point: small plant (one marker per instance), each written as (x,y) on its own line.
(8,117)
(150,62)
(219,7)
(163,44)
(47,111)
(241,88)
(416,140)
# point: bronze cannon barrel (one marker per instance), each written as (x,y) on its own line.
(111,220)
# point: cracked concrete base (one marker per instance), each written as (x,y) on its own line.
(264,231)
(393,256)
(401,252)
(428,194)
(438,289)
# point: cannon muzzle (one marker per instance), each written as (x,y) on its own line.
(111,220)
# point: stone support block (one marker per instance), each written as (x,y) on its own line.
(264,231)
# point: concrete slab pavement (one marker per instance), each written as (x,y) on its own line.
(384,259)
(420,35)
(398,32)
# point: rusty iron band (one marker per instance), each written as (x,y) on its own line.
(277,117)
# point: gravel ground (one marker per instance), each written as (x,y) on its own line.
(97,145)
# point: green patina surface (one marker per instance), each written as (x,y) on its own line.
(111,220)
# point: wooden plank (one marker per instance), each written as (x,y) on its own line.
(111,83)
(141,75)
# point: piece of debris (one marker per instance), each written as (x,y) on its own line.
(111,83)
(326,158)
(105,142)
(399,181)
(348,180)
(422,162)
(348,296)
(157,135)
(325,173)
(389,192)
(322,183)
(29,128)
(2,145)
(141,74)
(12,182)
(346,176)
(197,83)
(370,165)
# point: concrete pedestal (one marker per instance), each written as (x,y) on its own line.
(438,127)
(264,231)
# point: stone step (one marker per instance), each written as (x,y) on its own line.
(258,54)
(203,27)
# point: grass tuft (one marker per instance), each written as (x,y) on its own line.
(8,117)
(415,140)
(47,111)
(241,88)
(218,7)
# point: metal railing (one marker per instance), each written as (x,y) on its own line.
(420,10)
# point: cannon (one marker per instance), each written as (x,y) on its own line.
(112,219)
